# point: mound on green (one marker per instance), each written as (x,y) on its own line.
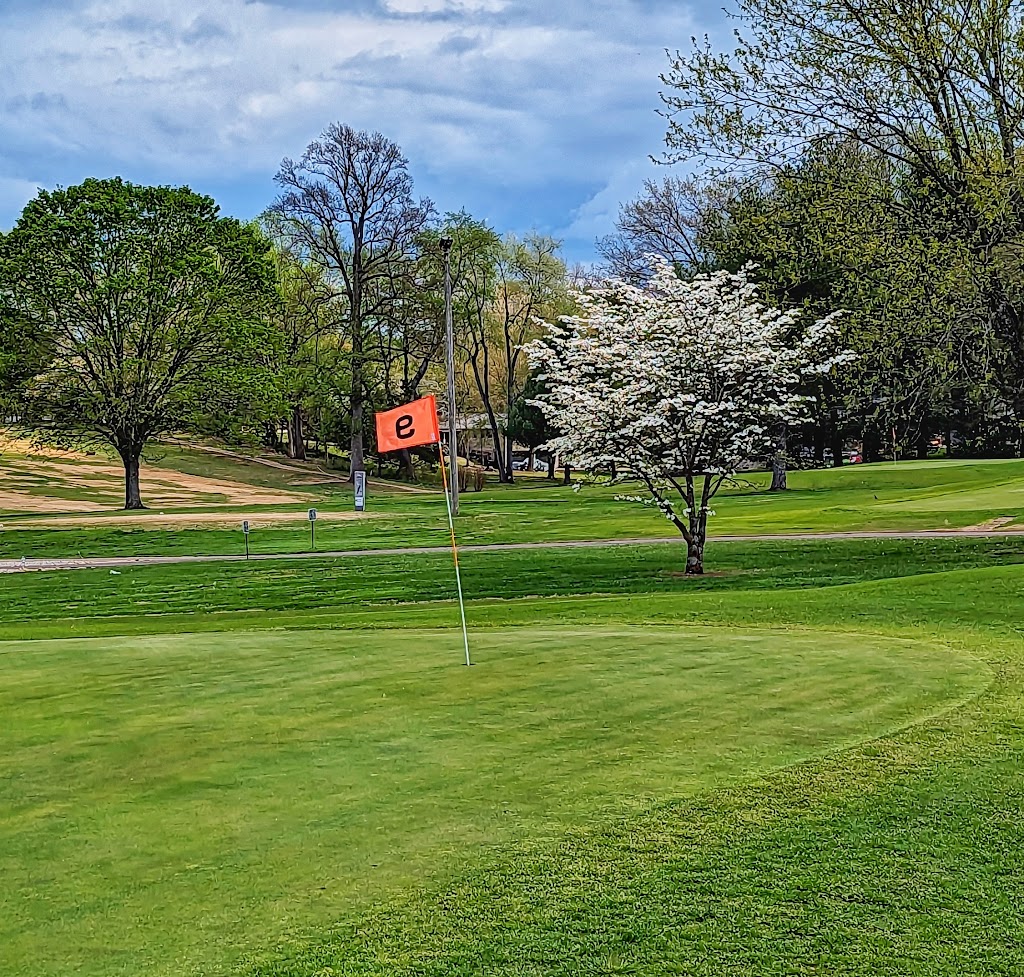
(177,803)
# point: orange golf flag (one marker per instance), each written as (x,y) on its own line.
(410,426)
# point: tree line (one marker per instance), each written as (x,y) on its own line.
(130,312)
(863,157)
(843,157)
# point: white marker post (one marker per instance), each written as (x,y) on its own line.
(360,487)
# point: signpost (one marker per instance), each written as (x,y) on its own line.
(311,515)
(360,485)
(245,531)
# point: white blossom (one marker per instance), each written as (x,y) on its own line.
(677,384)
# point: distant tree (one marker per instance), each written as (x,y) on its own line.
(347,206)
(676,385)
(511,283)
(476,250)
(527,423)
(905,283)
(531,284)
(665,219)
(305,324)
(141,301)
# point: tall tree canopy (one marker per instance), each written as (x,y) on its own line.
(140,302)
(347,206)
(935,89)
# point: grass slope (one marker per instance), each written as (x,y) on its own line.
(900,854)
(155,599)
(305,772)
(910,495)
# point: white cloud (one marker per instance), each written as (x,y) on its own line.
(443,6)
(596,216)
(520,93)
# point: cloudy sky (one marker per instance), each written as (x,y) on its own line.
(531,114)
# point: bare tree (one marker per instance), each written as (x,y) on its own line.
(347,205)
(666,220)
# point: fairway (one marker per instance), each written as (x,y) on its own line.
(179,802)
(941,495)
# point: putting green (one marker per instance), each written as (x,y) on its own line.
(174,802)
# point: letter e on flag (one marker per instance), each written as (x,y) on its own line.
(410,426)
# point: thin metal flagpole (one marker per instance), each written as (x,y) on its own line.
(455,553)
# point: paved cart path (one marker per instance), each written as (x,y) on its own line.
(113,562)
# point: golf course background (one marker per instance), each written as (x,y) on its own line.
(806,762)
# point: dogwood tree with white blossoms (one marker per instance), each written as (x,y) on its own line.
(677,385)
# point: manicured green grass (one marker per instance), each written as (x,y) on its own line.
(202,596)
(197,795)
(908,496)
(193,461)
(810,764)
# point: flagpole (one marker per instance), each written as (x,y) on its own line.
(453,451)
(455,552)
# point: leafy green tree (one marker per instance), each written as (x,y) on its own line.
(305,323)
(527,423)
(531,284)
(143,302)
(935,89)
(904,283)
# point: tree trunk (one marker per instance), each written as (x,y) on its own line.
(296,435)
(923,437)
(500,460)
(698,524)
(567,476)
(551,466)
(356,461)
(871,444)
(779,461)
(529,461)
(836,436)
(695,556)
(405,466)
(132,493)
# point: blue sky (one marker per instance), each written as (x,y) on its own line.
(531,114)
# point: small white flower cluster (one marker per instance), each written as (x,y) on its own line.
(663,505)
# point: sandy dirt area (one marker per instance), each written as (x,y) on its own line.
(80,482)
